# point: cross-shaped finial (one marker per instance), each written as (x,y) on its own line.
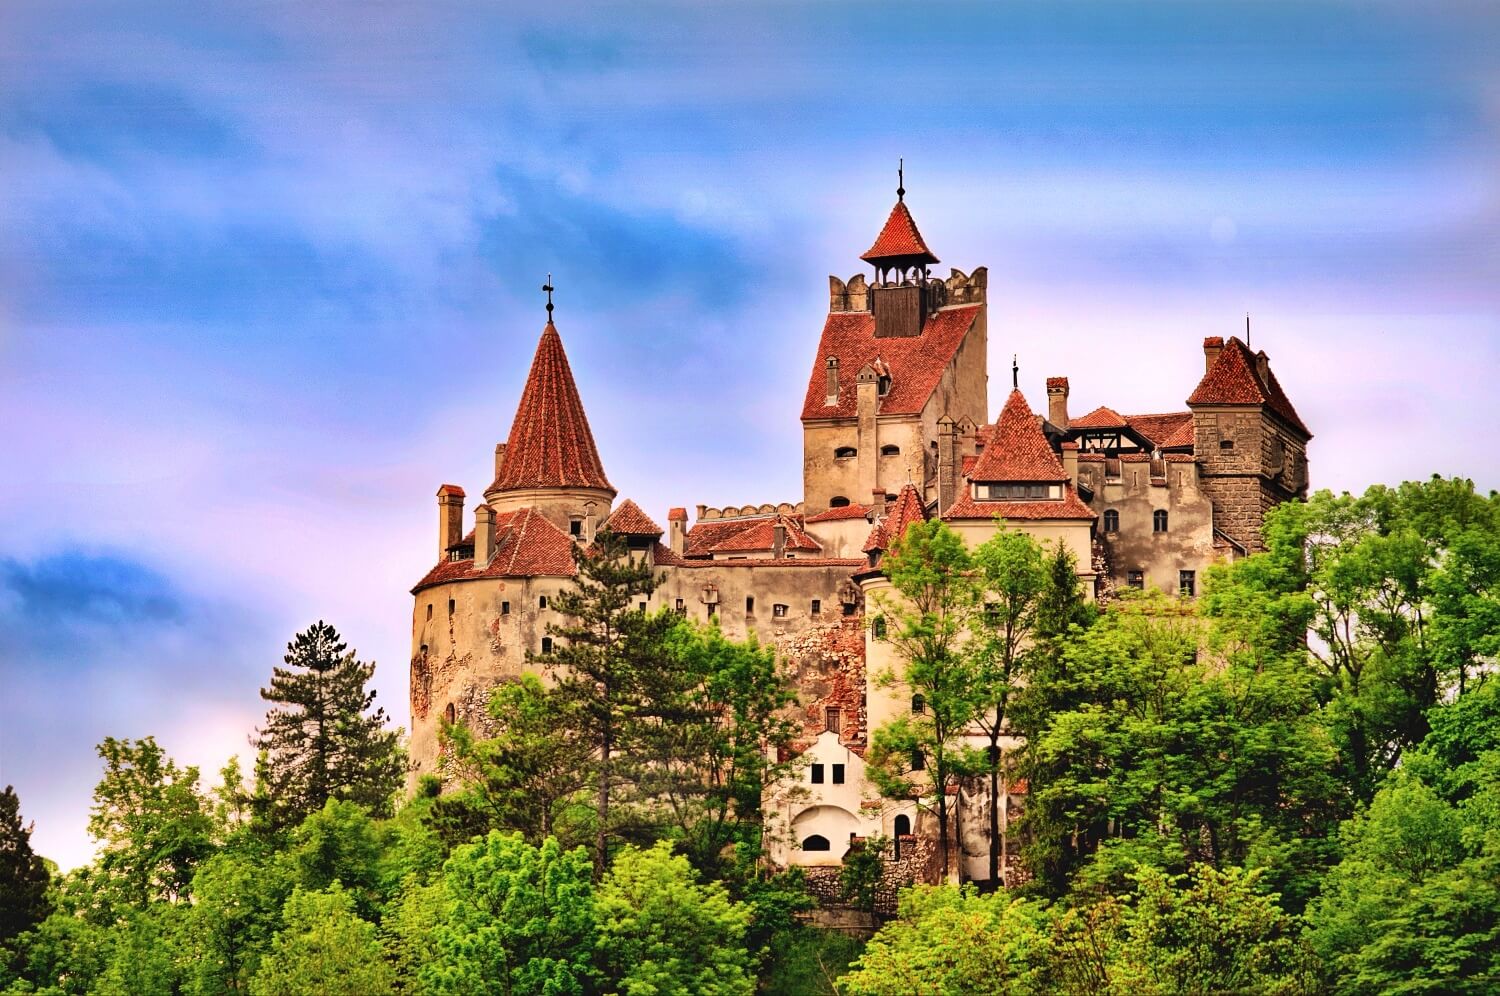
(549,289)
(1015,372)
(900,179)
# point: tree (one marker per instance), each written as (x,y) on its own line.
(320,740)
(1012,575)
(607,655)
(152,825)
(662,933)
(527,777)
(323,947)
(518,920)
(238,896)
(931,572)
(23,874)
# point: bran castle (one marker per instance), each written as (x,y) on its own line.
(895,429)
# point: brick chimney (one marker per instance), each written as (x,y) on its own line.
(450,517)
(1057,401)
(499,458)
(484,536)
(1212,347)
(677,530)
(1070,461)
(778,540)
(877,499)
(1263,367)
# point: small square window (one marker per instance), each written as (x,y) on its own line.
(817,774)
(681,607)
(838,774)
(1187,583)
(641,606)
(575,528)
(1226,444)
(817,607)
(505,608)
(1136,579)
(778,610)
(918,761)
(546,644)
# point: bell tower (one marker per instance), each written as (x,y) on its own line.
(903,292)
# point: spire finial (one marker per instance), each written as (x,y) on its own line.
(1247,329)
(1015,372)
(549,289)
(900,179)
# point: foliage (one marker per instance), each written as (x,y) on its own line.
(518,920)
(238,898)
(808,962)
(662,933)
(151,824)
(324,947)
(859,878)
(23,874)
(320,740)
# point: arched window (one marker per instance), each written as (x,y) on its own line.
(918,703)
(890,449)
(1159,521)
(877,628)
(449,713)
(844,452)
(817,842)
(541,602)
(1111,521)
(903,825)
(838,501)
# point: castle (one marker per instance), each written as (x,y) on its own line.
(895,429)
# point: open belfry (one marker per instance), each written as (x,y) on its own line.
(897,428)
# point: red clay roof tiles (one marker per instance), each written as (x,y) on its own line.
(916,362)
(526,545)
(906,509)
(1016,450)
(761,535)
(628,519)
(1102,417)
(899,239)
(850,511)
(1159,429)
(1234,380)
(550,445)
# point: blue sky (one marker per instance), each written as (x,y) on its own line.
(269,274)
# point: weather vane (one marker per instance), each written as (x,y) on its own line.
(549,289)
(1015,371)
(900,179)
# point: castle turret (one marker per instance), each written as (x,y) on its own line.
(450,518)
(902,294)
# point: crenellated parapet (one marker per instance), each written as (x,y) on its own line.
(706,514)
(960,288)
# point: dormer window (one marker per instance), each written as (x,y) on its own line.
(833,380)
(883,385)
(845,452)
(1026,491)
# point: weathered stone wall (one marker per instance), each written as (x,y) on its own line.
(1188,543)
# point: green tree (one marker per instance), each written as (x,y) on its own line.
(862,872)
(339,843)
(606,657)
(920,756)
(518,920)
(320,740)
(662,933)
(323,947)
(146,952)
(23,874)
(238,896)
(527,777)
(152,825)
(1011,570)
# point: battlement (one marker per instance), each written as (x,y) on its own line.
(1133,473)
(959,289)
(706,514)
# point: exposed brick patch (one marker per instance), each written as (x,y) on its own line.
(826,664)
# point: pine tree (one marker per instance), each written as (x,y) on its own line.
(322,742)
(23,874)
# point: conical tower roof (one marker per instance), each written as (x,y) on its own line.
(550,444)
(899,242)
(1017,450)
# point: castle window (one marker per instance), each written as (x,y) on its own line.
(505,608)
(816,774)
(877,628)
(449,713)
(546,644)
(844,452)
(817,607)
(883,386)
(918,703)
(429,610)
(541,602)
(575,528)
(1187,583)
(681,607)
(749,605)
(713,609)
(1136,579)
(642,606)
(838,501)
(1111,521)
(778,610)
(833,720)
(903,826)
(817,842)
(1226,444)
(424,650)
(838,774)
(918,760)
(890,450)
(452,604)
(1159,521)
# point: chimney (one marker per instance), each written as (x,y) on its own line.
(450,517)
(677,530)
(877,499)
(588,522)
(778,542)
(1057,401)
(484,536)
(1070,461)
(499,458)
(832,394)
(1212,347)
(1263,367)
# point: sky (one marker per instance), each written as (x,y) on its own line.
(269,274)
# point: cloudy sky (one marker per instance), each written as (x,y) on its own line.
(269,274)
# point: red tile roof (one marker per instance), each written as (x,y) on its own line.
(550,445)
(916,362)
(761,535)
(1057,382)
(1070,506)
(676,515)
(899,239)
(526,545)
(906,509)
(1102,417)
(1234,380)
(850,511)
(451,489)
(628,519)
(1159,429)
(705,534)
(1016,450)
